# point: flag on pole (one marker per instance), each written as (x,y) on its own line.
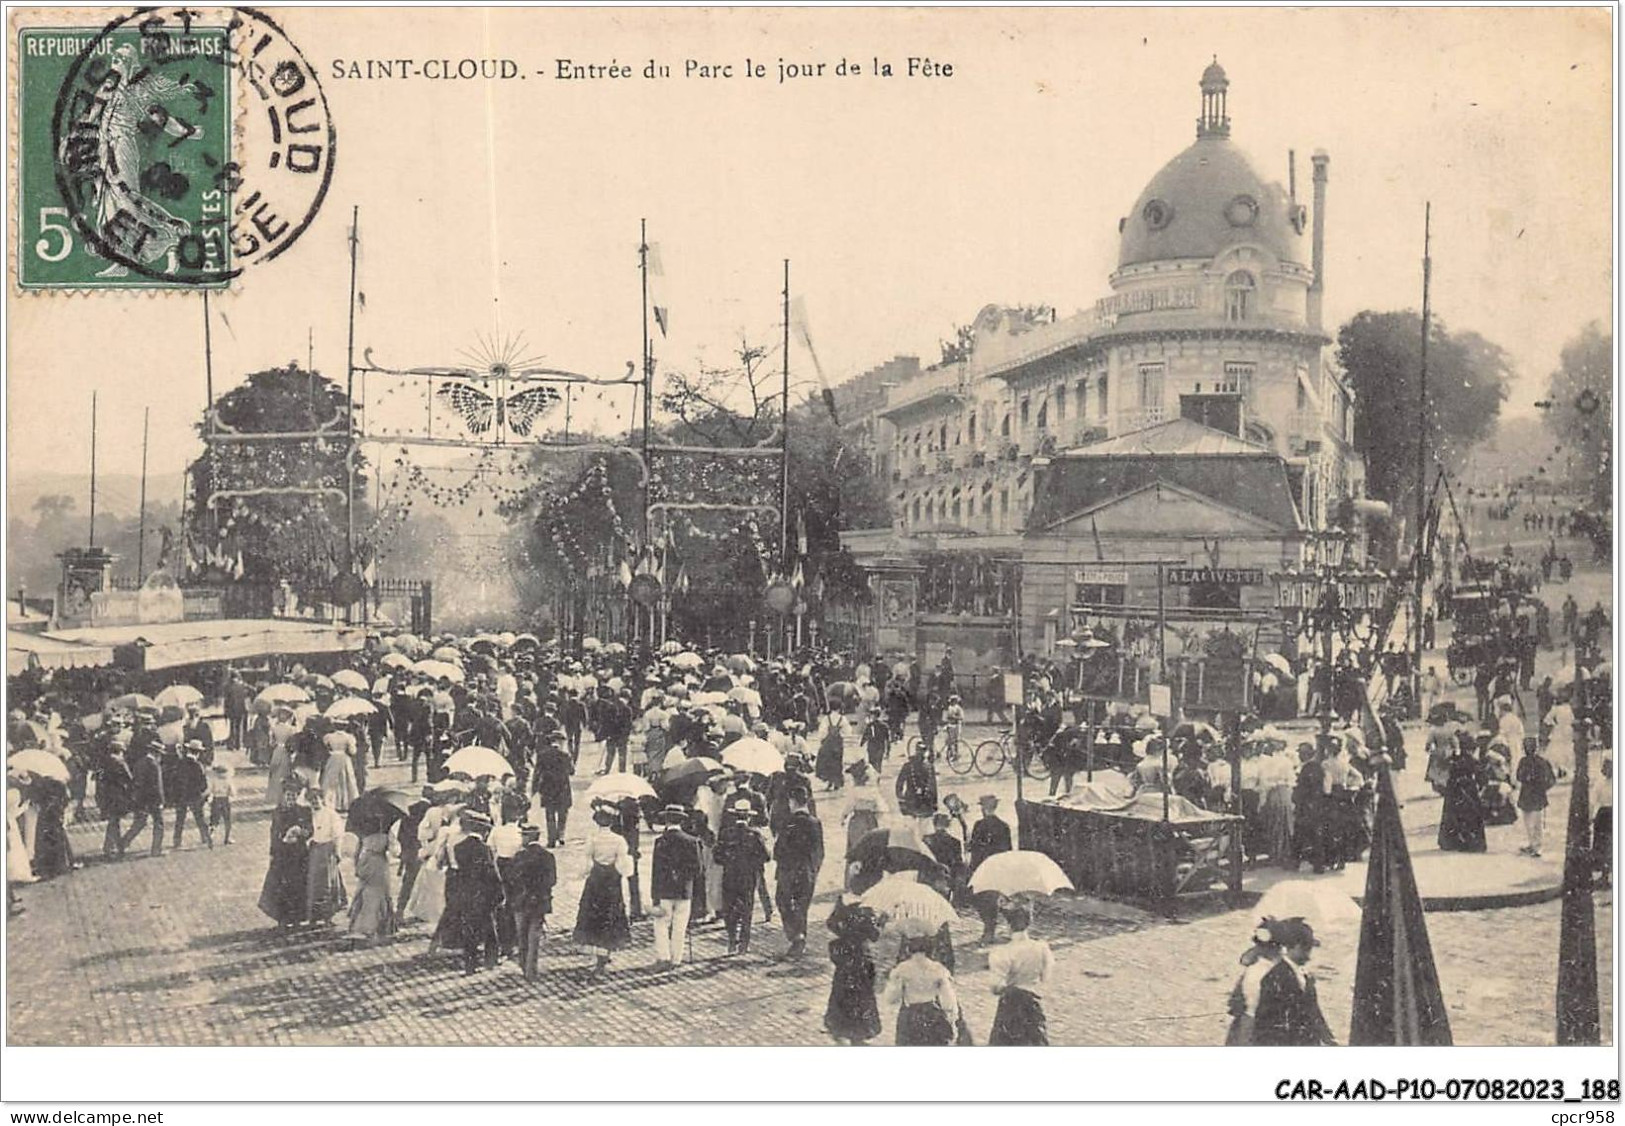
(652,252)
(801,532)
(660,318)
(1100,552)
(797,580)
(1397,999)
(625,573)
(798,321)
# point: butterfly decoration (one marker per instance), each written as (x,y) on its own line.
(483,413)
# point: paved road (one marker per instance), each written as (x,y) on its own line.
(174,951)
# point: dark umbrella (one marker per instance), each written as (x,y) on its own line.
(376,810)
(1397,999)
(891,850)
(691,769)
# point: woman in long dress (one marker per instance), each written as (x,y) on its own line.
(831,760)
(53,855)
(282,897)
(852,1014)
(1275,777)
(339,787)
(601,922)
(923,991)
(18,868)
(324,889)
(862,818)
(1461,828)
(428,898)
(372,913)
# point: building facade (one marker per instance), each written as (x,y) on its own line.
(1209,345)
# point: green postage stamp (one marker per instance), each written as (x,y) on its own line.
(125,174)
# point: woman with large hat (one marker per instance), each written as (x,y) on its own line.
(282,896)
(601,922)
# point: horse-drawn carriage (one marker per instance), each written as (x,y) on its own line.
(1472,609)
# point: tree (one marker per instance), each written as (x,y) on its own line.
(1579,408)
(297,531)
(1467,382)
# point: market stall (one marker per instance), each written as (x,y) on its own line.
(1110,843)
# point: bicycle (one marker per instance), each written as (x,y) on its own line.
(991,755)
(957,755)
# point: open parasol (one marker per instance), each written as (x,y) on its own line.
(1020,872)
(284,694)
(376,810)
(477,762)
(753,756)
(395,661)
(1325,905)
(349,678)
(613,787)
(524,640)
(131,701)
(41,763)
(348,707)
(686,660)
(381,688)
(910,907)
(1279,663)
(741,662)
(692,769)
(178,695)
(447,653)
(439,670)
(897,849)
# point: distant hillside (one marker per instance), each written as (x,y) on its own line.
(117,494)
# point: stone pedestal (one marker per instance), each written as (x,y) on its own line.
(86,572)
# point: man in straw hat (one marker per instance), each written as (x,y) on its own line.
(674,871)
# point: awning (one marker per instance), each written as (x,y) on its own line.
(26,651)
(172,644)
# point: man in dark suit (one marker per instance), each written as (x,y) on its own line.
(147,800)
(197,730)
(114,786)
(553,768)
(1289,1013)
(743,856)
(473,894)
(674,871)
(528,886)
(799,854)
(237,698)
(990,837)
(947,851)
(573,716)
(411,843)
(190,787)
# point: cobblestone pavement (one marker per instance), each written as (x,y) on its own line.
(173,950)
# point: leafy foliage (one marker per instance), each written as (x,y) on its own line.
(283,535)
(1467,382)
(1580,409)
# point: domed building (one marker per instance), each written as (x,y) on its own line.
(1195,413)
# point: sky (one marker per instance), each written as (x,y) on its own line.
(509,210)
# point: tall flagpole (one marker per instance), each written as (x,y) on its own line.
(349,419)
(141,524)
(1421,455)
(92,469)
(784,436)
(648,365)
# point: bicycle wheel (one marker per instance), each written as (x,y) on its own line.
(989,757)
(962,759)
(1037,768)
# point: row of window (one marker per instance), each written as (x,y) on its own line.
(928,511)
(1054,409)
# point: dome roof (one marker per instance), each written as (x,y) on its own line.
(1214,75)
(1205,200)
